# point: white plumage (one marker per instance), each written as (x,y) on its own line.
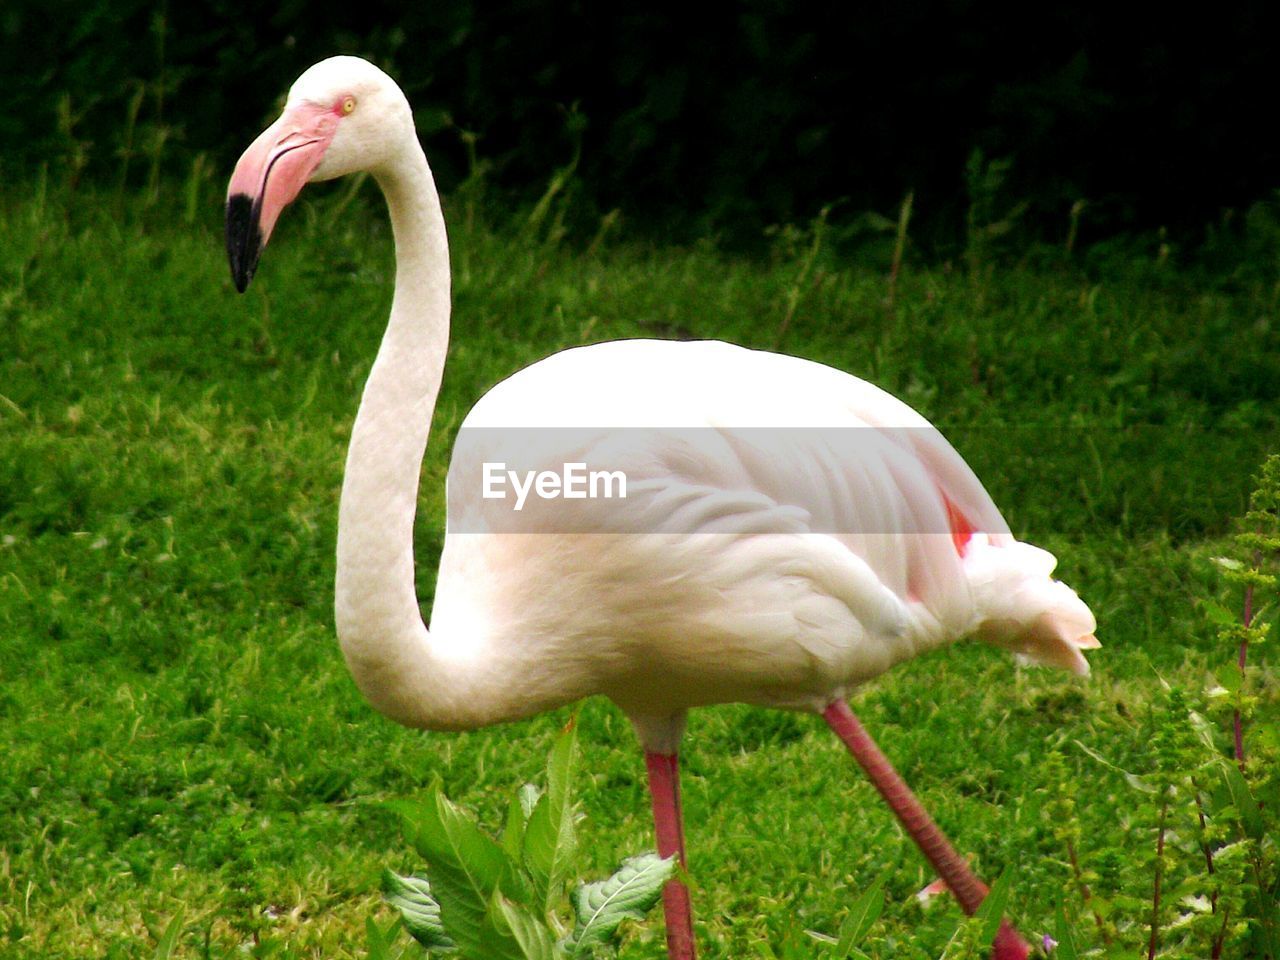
(737,598)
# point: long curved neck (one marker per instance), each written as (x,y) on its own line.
(376,609)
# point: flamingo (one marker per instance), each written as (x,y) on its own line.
(754,560)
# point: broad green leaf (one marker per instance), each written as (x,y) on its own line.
(378,943)
(560,766)
(169,939)
(1066,948)
(991,910)
(382,943)
(1242,799)
(518,813)
(548,848)
(1216,613)
(629,894)
(464,864)
(516,932)
(418,908)
(1229,677)
(528,797)
(864,912)
(1205,729)
(496,941)
(549,842)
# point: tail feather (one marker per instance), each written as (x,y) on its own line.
(1021,608)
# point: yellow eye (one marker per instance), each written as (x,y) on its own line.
(348,104)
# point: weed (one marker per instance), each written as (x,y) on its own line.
(809,243)
(488,900)
(1073,228)
(985,221)
(900,244)
(1201,803)
(561,180)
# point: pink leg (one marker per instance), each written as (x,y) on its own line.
(664,789)
(966,887)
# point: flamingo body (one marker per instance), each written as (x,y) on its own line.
(787,571)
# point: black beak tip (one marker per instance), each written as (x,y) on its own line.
(244,240)
(241,278)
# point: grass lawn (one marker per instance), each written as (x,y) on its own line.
(178,733)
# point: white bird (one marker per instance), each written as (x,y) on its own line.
(789,531)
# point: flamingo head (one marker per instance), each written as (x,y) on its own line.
(342,115)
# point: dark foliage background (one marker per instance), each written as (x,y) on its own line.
(720,115)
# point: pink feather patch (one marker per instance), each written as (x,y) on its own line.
(961,528)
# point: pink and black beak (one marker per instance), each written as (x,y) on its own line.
(268,177)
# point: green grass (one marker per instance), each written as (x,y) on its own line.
(178,729)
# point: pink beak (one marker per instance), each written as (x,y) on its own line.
(268,177)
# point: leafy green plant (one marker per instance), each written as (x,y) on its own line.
(1073,228)
(1067,832)
(808,248)
(490,900)
(1251,785)
(900,243)
(1208,803)
(561,179)
(985,221)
